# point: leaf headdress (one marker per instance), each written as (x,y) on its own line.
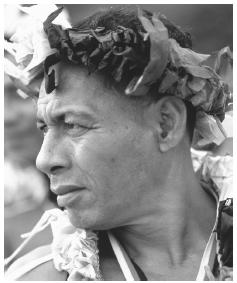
(147,59)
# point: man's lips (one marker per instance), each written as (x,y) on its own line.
(62,190)
(67,195)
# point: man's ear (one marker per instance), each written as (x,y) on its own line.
(170,120)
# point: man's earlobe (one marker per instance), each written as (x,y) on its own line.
(171,122)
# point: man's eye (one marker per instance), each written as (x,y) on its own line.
(73,127)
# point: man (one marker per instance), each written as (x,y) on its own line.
(117,162)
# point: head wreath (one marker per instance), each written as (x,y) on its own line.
(152,59)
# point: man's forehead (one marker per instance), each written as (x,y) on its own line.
(74,87)
(73,78)
(56,104)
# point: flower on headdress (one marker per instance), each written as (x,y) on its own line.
(29,47)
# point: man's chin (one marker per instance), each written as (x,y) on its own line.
(86,221)
(79,220)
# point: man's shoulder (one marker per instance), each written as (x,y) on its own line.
(35,265)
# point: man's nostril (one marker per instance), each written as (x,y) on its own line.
(55,169)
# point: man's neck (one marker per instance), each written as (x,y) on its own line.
(164,242)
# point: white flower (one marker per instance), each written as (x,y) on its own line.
(74,250)
(30,45)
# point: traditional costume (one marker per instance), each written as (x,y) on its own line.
(205,80)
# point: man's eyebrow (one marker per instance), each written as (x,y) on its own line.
(81,114)
(60,114)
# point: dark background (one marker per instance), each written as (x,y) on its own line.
(211,25)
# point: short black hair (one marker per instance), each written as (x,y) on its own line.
(127,16)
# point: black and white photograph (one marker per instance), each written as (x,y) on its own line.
(118,141)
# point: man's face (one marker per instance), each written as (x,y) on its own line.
(96,151)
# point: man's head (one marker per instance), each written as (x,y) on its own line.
(109,150)
(108,154)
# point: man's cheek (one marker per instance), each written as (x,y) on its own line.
(96,153)
(104,160)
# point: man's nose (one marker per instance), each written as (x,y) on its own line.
(52,158)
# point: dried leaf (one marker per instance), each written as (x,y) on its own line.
(158,56)
(82,41)
(207,127)
(51,18)
(115,37)
(50,77)
(102,38)
(106,60)
(118,73)
(182,90)
(126,52)
(97,53)
(222,62)
(196,84)
(203,72)
(131,86)
(169,79)
(180,57)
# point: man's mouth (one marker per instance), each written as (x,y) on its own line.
(66,195)
(62,190)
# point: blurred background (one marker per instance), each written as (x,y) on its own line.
(26,190)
